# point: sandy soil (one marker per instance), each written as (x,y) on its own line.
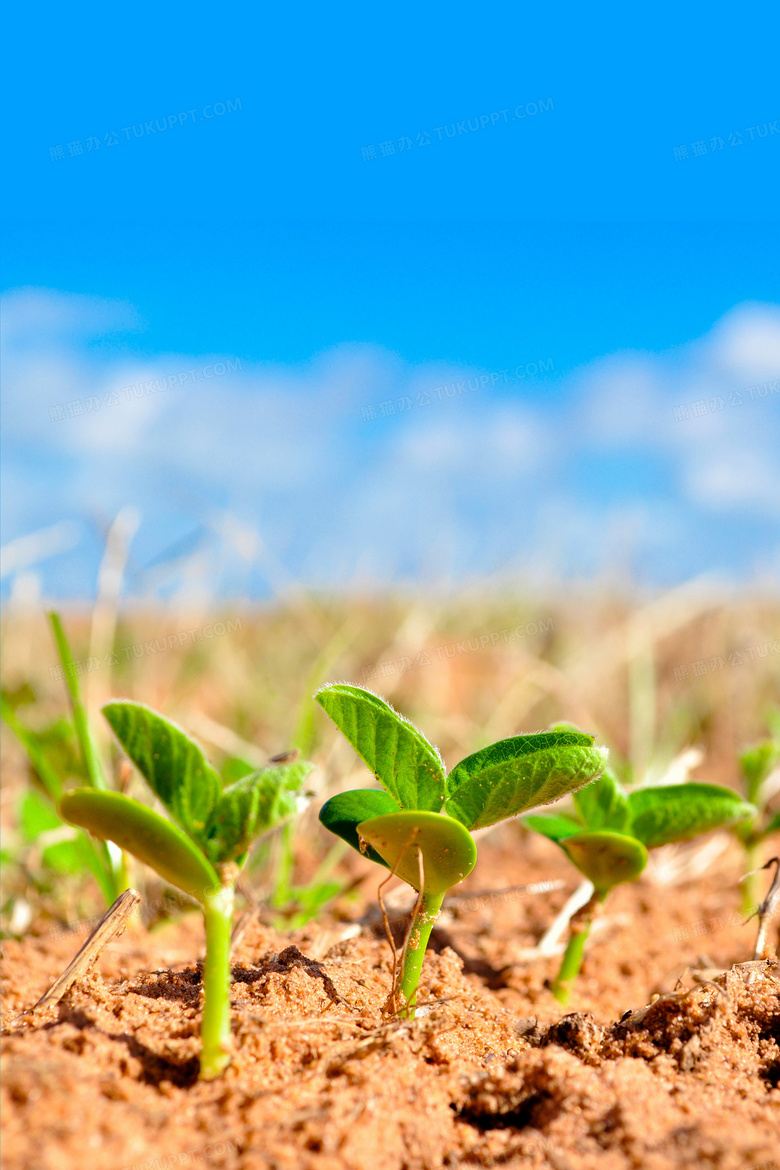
(493,1072)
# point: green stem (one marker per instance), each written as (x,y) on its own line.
(285,866)
(215,1026)
(414,953)
(571,963)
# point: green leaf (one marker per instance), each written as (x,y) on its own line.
(606,859)
(65,857)
(772,827)
(30,741)
(234,768)
(36,816)
(677,812)
(603,804)
(172,764)
(395,751)
(756,763)
(253,805)
(516,774)
(448,850)
(144,833)
(557,828)
(343,813)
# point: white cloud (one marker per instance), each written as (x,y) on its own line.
(747,342)
(473,482)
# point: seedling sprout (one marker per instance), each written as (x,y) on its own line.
(420,825)
(609,840)
(758,766)
(201,850)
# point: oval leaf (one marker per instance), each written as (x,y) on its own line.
(677,812)
(253,805)
(343,813)
(513,775)
(172,764)
(606,859)
(398,754)
(144,833)
(448,850)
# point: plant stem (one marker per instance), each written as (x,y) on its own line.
(215,1026)
(426,914)
(571,963)
(285,866)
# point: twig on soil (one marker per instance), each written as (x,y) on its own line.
(110,926)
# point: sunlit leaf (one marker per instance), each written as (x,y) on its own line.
(514,775)
(677,812)
(603,804)
(172,764)
(400,757)
(253,805)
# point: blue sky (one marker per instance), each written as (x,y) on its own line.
(562,230)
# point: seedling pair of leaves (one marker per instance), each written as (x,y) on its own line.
(609,840)
(420,824)
(201,850)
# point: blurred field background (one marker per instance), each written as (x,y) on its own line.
(682,669)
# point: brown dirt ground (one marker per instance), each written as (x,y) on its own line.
(493,1072)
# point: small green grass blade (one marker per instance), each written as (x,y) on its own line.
(89,751)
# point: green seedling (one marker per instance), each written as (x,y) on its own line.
(420,824)
(201,850)
(757,764)
(60,752)
(609,839)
